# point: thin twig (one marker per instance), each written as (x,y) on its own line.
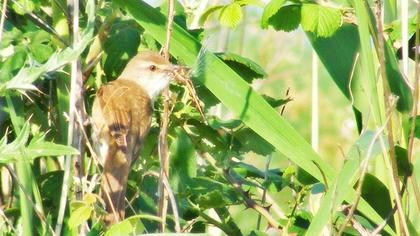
(264,194)
(163,142)
(40,23)
(40,215)
(363,171)
(76,104)
(173,203)
(390,136)
(415,109)
(3,18)
(251,203)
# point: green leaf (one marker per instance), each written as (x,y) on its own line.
(245,67)
(42,149)
(210,193)
(213,199)
(322,21)
(182,155)
(366,144)
(120,46)
(231,90)
(208,12)
(417,127)
(23,80)
(231,15)
(287,18)
(250,2)
(17,150)
(405,168)
(129,226)
(79,215)
(269,10)
(250,141)
(22,7)
(371,189)
(276,102)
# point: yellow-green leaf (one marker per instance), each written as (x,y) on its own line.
(231,15)
(323,21)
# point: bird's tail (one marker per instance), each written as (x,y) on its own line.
(114,182)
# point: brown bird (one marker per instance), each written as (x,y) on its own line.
(121,118)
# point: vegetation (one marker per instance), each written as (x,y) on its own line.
(242,167)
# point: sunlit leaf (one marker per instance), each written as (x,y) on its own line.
(80,215)
(231,15)
(269,10)
(322,21)
(287,18)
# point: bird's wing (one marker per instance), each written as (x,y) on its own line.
(126,110)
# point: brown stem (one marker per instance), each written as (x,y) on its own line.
(163,142)
(390,137)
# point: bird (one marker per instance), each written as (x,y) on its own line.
(121,118)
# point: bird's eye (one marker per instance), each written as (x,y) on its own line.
(152,67)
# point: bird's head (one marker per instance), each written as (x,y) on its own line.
(151,71)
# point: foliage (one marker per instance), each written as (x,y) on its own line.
(210,169)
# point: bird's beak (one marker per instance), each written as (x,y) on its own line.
(173,70)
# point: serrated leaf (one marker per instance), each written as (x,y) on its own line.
(245,67)
(231,15)
(208,12)
(322,21)
(287,18)
(269,10)
(79,216)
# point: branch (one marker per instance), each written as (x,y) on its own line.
(163,142)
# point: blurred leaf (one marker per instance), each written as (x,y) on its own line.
(417,127)
(12,64)
(251,141)
(48,184)
(250,2)
(396,81)
(339,67)
(230,15)
(208,12)
(269,10)
(210,193)
(276,102)
(304,177)
(22,7)
(120,46)
(405,168)
(43,148)
(347,176)
(212,199)
(245,67)
(27,75)
(217,123)
(183,161)
(17,150)
(129,226)
(79,215)
(320,20)
(287,18)
(371,189)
